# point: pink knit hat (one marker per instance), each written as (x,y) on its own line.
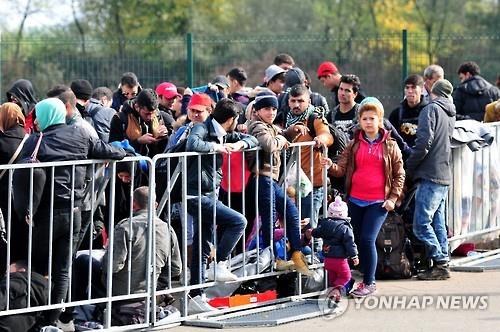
(337,209)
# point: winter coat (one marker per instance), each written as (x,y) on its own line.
(101,118)
(203,138)
(393,165)
(138,255)
(471,97)
(431,154)
(272,142)
(338,237)
(121,121)
(62,143)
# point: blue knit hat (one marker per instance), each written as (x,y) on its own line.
(372,100)
(265,99)
(49,112)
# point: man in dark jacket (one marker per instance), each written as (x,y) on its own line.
(473,93)
(216,134)
(60,142)
(128,88)
(429,167)
(405,117)
(143,124)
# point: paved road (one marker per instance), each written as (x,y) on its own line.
(484,288)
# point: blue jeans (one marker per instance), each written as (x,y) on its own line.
(271,201)
(232,222)
(429,222)
(366,223)
(314,199)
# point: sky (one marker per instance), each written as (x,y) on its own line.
(46,13)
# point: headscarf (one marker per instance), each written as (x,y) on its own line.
(49,112)
(10,116)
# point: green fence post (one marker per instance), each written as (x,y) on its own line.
(189,47)
(404,70)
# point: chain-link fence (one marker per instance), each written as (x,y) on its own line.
(380,61)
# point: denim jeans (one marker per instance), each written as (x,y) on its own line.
(366,223)
(271,199)
(314,199)
(231,221)
(429,222)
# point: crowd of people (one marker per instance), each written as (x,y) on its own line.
(383,158)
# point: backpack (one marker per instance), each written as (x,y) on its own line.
(392,249)
(340,139)
(128,313)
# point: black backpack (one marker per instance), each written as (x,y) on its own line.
(340,139)
(393,249)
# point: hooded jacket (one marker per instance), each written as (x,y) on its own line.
(472,95)
(23,91)
(430,158)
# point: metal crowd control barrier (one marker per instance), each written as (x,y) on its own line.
(175,168)
(474,196)
(83,272)
(97,175)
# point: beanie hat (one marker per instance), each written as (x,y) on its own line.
(147,98)
(200,101)
(442,88)
(294,76)
(326,68)
(82,89)
(167,90)
(50,111)
(372,100)
(337,209)
(272,71)
(265,99)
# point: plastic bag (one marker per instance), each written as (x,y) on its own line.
(304,186)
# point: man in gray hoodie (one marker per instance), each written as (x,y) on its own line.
(429,167)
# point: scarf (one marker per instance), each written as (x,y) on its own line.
(11,116)
(292,119)
(49,112)
(136,125)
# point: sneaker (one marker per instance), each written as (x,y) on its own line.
(282,265)
(220,272)
(300,262)
(364,290)
(438,272)
(199,304)
(335,294)
(168,314)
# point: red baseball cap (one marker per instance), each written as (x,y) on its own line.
(326,68)
(168,90)
(200,101)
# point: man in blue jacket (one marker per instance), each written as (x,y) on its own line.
(429,166)
(216,134)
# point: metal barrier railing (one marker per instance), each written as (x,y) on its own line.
(474,195)
(100,174)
